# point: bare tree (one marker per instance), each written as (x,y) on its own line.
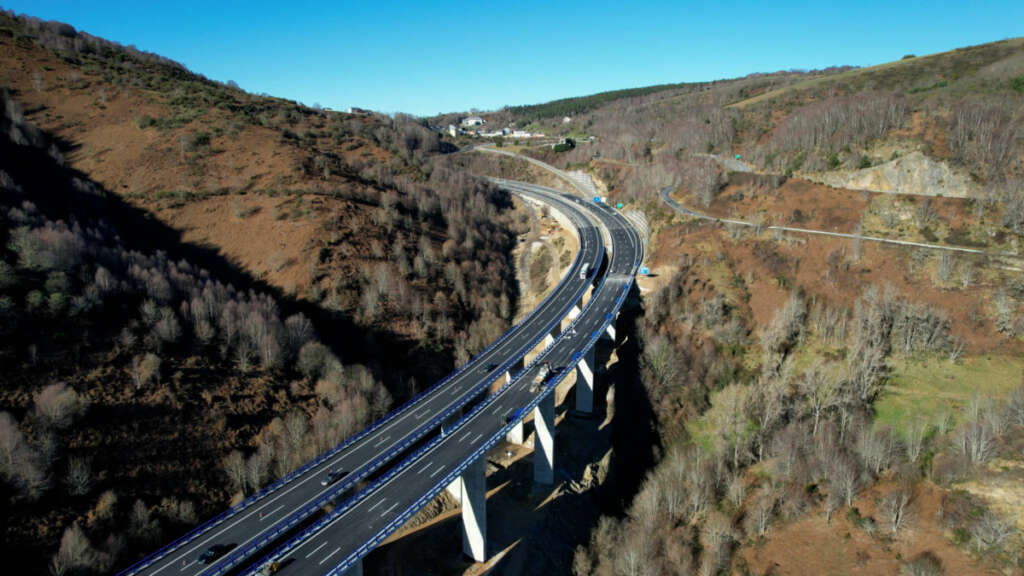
(759,515)
(975,441)
(234,467)
(820,393)
(732,429)
(20,465)
(1015,406)
(79,478)
(768,403)
(75,552)
(58,404)
(144,369)
(896,508)
(990,532)
(914,435)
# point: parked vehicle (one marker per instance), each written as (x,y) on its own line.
(585,271)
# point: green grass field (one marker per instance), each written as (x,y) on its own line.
(927,388)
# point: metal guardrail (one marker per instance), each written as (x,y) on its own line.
(212,523)
(237,556)
(403,517)
(407,513)
(361,495)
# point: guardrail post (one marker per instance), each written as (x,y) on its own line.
(474,510)
(585,382)
(544,441)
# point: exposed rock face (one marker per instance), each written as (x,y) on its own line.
(914,173)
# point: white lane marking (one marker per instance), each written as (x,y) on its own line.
(395,421)
(185,567)
(424,469)
(455,390)
(381,441)
(317,549)
(381,501)
(336,550)
(438,471)
(385,513)
(477,438)
(271,512)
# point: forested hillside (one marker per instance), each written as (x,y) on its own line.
(203,288)
(821,393)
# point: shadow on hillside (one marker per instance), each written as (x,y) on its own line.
(392,357)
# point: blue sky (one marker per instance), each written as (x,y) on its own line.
(424,58)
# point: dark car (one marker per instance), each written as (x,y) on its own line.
(332,477)
(213,552)
(490,366)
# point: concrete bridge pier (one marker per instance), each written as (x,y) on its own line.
(609,332)
(514,370)
(585,370)
(550,337)
(577,309)
(515,435)
(544,441)
(474,510)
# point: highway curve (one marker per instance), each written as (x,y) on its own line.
(342,538)
(247,528)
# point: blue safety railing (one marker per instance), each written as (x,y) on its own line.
(447,479)
(237,556)
(276,485)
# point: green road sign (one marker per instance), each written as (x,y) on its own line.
(619,205)
(737,156)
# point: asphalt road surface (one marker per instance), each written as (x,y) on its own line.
(370,517)
(260,521)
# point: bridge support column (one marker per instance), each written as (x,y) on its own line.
(549,339)
(544,441)
(585,382)
(515,434)
(609,333)
(577,309)
(514,370)
(455,489)
(474,510)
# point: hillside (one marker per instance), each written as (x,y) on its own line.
(198,280)
(812,392)
(318,204)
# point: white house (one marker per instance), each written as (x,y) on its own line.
(452,130)
(473,121)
